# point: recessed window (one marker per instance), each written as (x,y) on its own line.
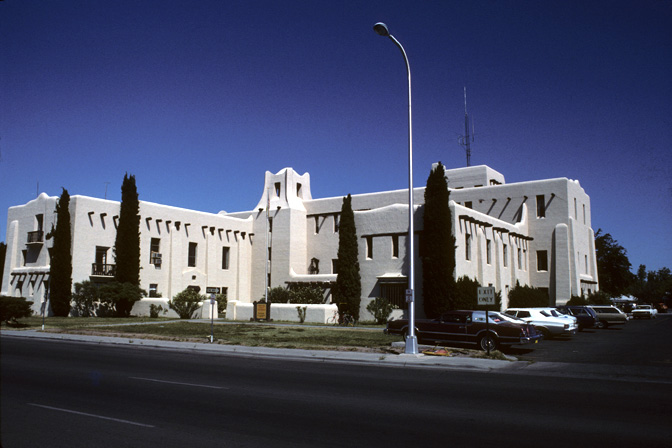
(155,252)
(542,260)
(298,190)
(334,266)
(520,258)
(191,260)
(505,255)
(153,290)
(225,257)
(576,213)
(467,246)
(369,247)
(541,206)
(488,251)
(336,222)
(468,204)
(395,246)
(277,189)
(584,213)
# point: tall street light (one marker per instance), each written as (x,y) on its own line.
(411,339)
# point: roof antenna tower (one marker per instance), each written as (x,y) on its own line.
(466,139)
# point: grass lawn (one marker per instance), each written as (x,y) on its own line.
(306,336)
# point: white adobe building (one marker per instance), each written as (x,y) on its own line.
(537,233)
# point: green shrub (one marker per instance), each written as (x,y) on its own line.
(527,297)
(577,301)
(120,298)
(12,308)
(185,303)
(278,295)
(222,300)
(381,309)
(156,310)
(306,294)
(599,298)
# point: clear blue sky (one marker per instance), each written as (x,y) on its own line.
(198,99)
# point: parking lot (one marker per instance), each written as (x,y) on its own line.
(637,343)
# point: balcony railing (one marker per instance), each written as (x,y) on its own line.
(36,237)
(105,270)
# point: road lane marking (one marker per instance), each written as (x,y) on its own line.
(177,382)
(91,415)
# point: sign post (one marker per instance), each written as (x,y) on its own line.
(212,317)
(486,296)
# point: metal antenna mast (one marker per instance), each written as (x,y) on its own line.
(466,139)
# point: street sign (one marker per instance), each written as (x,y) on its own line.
(486,295)
(409,295)
(212,290)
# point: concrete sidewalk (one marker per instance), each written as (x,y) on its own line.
(662,375)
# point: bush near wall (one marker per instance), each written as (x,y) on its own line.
(12,308)
(186,303)
(527,297)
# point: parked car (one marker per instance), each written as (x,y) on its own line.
(585,315)
(644,312)
(544,321)
(469,327)
(608,315)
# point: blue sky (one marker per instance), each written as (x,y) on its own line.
(198,99)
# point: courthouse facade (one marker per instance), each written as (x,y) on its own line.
(536,233)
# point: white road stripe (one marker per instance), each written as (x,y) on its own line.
(176,382)
(91,415)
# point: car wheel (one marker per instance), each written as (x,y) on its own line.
(545,333)
(599,324)
(488,342)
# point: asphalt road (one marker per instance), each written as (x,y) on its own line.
(64,394)
(641,342)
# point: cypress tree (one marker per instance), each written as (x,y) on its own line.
(127,244)
(60,292)
(348,290)
(438,251)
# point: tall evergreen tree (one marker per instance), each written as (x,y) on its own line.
(3,252)
(127,244)
(60,284)
(348,290)
(438,251)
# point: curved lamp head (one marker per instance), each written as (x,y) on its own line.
(381,29)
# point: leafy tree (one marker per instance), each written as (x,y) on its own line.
(652,286)
(186,303)
(122,296)
(127,244)
(85,299)
(527,297)
(613,266)
(12,308)
(61,259)
(348,289)
(438,251)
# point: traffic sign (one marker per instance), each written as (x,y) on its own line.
(486,295)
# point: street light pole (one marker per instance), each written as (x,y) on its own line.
(411,339)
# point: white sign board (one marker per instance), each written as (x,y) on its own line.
(486,295)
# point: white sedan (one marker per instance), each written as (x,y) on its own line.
(645,312)
(545,322)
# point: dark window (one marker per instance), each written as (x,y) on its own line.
(488,251)
(395,293)
(542,260)
(395,246)
(541,206)
(225,257)
(191,261)
(369,247)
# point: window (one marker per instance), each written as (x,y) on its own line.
(542,260)
(155,252)
(395,246)
(586,262)
(336,222)
(541,206)
(298,190)
(467,246)
(468,204)
(488,251)
(334,266)
(153,290)
(505,255)
(576,213)
(225,257)
(317,225)
(584,213)
(191,261)
(277,189)
(520,258)
(395,293)
(314,267)
(369,247)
